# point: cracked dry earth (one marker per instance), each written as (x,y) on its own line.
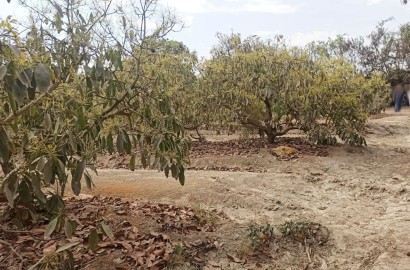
(361,194)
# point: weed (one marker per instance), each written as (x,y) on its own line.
(204,217)
(178,257)
(260,236)
(300,230)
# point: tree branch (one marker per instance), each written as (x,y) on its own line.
(19,112)
(12,249)
(286,130)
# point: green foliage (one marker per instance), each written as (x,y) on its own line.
(297,230)
(268,86)
(383,51)
(260,236)
(69,91)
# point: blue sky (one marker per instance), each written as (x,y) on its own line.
(300,21)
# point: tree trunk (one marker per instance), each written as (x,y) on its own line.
(271,134)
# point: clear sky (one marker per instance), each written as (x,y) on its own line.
(300,21)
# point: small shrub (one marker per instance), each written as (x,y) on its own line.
(304,231)
(260,236)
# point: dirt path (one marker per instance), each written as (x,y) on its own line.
(361,194)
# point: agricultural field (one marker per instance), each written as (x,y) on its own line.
(121,148)
(355,198)
(339,207)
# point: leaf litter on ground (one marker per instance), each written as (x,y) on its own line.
(105,219)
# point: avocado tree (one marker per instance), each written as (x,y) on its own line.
(382,51)
(276,89)
(71,86)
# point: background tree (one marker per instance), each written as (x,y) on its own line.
(277,89)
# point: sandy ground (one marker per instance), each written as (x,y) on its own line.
(362,195)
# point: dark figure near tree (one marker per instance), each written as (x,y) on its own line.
(400,94)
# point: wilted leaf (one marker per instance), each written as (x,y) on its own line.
(88,180)
(107,230)
(93,240)
(66,246)
(51,227)
(69,227)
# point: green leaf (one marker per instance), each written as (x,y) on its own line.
(174,171)
(47,121)
(25,77)
(10,189)
(89,83)
(93,240)
(144,159)
(69,228)
(72,141)
(60,170)
(92,167)
(120,143)
(88,180)
(5,151)
(48,172)
(19,92)
(107,230)
(99,68)
(127,142)
(36,184)
(110,144)
(24,192)
(3,71)
(132,162)
(59,10)
(66,246)
(51,226)
(42,76)
(166,170)
(40,164)
(77,175)
(181,175)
